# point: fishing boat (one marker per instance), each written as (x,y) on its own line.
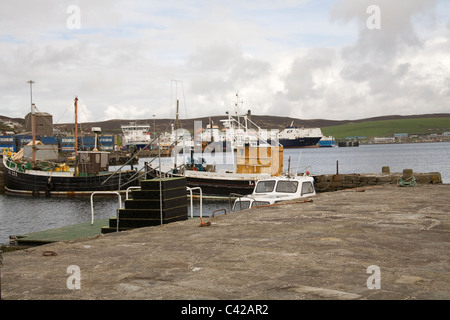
(33,171)
(252,158)
(252,163)
(276,189)
(240,130)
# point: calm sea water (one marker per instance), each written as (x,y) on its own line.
(21,215)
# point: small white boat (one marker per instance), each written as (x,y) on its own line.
(276,189)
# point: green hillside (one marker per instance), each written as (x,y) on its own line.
(384,128)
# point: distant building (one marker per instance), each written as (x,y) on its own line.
(44,123)
(383,139)
(9,124)
(446,134)
(400,135)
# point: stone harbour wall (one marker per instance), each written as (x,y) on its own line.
(334,182)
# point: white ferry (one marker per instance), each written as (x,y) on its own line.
(294,137)
(136,135)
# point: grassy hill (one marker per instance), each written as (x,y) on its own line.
(383,128)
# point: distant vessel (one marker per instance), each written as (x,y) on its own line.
(294,137)
(327,141)
(137,135)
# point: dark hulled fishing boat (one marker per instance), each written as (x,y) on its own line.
(38,176)
(89,176)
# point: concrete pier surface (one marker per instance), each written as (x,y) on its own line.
(371,243)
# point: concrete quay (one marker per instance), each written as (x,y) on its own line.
(380,242)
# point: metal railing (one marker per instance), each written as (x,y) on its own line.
(218,210)
(239,196)
(192,204)
(128,189)
(136,187)
(105,193)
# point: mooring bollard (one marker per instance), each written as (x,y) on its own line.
(407,174)
(385,169)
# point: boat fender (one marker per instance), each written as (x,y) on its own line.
(49,186)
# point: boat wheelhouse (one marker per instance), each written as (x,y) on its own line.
(276,189)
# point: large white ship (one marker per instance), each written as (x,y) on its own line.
(136,135)
(294,137)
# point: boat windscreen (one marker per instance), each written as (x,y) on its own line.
(265,186)
(260,203)
(241,205)
(307,187)
(287,186)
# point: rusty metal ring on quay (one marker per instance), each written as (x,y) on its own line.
(49,253)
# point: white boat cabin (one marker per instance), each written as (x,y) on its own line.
(270,191)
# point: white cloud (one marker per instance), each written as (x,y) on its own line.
(124,112)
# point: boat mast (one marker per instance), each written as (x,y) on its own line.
(33,121)
(76,126)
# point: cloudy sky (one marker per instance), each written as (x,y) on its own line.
(328,59)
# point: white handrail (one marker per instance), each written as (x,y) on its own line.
(129,188)
(105,192)
(201,200)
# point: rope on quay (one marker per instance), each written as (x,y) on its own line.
(408,182)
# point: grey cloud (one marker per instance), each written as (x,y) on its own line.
(299,83)
(397,27)
(219,67)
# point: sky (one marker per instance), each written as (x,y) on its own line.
(330,59)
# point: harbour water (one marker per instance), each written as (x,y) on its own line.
(21,215)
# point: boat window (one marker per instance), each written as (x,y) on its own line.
(265,186)
(241,205)
(84,157)
(260,203)
(287,186)
(307,187)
